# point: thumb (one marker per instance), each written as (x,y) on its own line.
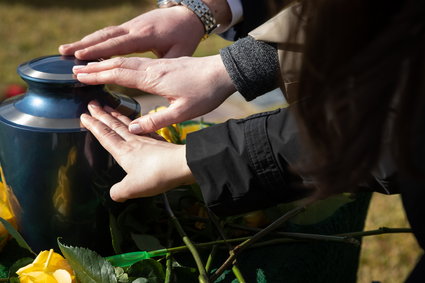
(123,190)
(154,121)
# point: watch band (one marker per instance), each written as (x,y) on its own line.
(196,6)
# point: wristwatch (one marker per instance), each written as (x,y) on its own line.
(198,7)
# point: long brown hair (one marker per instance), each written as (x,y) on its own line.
(363,62)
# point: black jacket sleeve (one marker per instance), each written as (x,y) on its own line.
(245,164)
(412,189)
(242,165)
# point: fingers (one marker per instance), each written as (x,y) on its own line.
(131,187)
(90,41)
(119,45)
(124,119)
(122,71)
(110,121)
(114,63)
(123,77)
(107,137)
(126,189)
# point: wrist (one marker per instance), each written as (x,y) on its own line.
(185,174)
(190,19)
(211,13)
(221,12)
(221,77)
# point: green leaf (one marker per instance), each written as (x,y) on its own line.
(145,242)
(88,265)
(15,234)
(18,264)
(116,234)
(149,269)
(14,280)
(175,135)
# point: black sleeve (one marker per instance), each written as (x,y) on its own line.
(242,165)
(245,164)
(253,66)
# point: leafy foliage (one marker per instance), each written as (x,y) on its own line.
(18,264)
(149,270)
(15,234)
(88,265)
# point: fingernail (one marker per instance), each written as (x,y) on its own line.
(77,67)
(135,128)
(91,63)
(80,75)
(94,104)
(84,118)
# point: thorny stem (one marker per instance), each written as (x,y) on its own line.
(345,238)
(235,268)
(202,273)
(239,248)
(382,230)
(379,231)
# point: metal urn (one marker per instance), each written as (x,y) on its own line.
(58,172)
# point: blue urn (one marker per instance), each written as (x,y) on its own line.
(58,172)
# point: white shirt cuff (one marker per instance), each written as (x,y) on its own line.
(237,14)
(237,11)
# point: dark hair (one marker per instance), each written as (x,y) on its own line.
(362,77)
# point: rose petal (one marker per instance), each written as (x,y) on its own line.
(62,276)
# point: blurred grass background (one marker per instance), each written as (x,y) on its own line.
(34,28)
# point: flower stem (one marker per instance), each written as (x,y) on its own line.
(202,273)
(168,270)
(239,248)
(238,274)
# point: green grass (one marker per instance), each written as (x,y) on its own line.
(34,28)
(390,257)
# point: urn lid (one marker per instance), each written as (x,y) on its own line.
(50,69)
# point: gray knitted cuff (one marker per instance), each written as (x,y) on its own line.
(253,66)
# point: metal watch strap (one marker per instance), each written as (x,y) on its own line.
(199,8)
(203,13)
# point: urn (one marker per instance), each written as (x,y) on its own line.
(58,172)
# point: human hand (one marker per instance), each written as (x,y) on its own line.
(193,86)
(170,32)
(153,166)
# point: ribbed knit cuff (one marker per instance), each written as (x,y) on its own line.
(253,66)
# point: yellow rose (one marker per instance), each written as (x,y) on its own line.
(48,267)
(6,211)
(190,127)
(177,133)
